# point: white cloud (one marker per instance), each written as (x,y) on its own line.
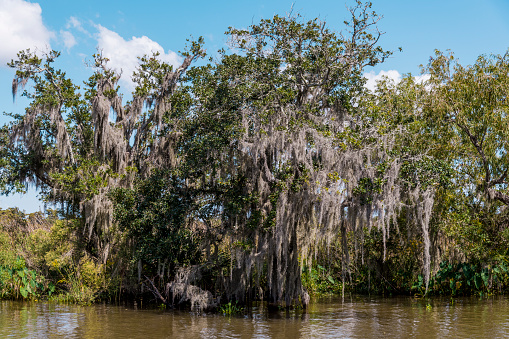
(21,27)
(394,75)
(68,39)
(373,78)
(123,53)
(75,23)
(422,78)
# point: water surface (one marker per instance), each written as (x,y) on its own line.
(355,317)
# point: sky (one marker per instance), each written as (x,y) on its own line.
(123,30)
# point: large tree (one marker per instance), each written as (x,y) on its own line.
(468,108)
(67,144)
(266,153)
(283,154)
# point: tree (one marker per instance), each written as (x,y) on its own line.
(282,154)
(469,107)
(66,144)
(265,154)
(462,115)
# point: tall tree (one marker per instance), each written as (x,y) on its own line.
(267,152)
(468,108)
(69,147)
(285,155)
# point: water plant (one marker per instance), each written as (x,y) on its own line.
(17,281)
(230,308)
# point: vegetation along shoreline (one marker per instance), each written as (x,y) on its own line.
(269,172)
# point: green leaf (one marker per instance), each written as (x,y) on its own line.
(51,288)
(478,281)
(485,277)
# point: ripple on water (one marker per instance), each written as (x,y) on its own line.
(355,317)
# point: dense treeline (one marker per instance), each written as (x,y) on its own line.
(270,173)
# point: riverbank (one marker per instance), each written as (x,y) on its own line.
(42,257)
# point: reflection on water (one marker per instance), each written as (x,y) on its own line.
(357,317)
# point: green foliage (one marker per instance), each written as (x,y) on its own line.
(427,171)
(82,283)
(51,250)
(17,281)
(52,93)
(56,270)
(319,281)
(466,110)
(467,279)
(7,255)
(230,309)
(153,215)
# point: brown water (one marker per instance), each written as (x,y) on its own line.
(357,317)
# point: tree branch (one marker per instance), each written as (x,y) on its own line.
(496,195)
(479,149)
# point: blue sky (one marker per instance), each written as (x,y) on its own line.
(125,28)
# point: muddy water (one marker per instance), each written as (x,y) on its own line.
(356,317)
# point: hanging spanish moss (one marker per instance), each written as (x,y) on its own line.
(110,151)
(269,154)
(314,165)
